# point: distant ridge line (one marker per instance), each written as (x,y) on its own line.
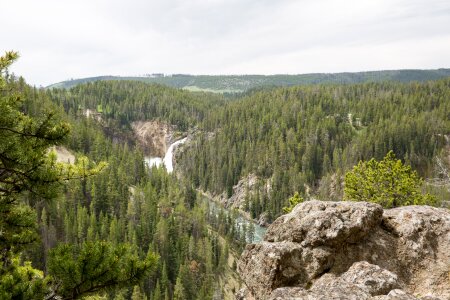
(241,83)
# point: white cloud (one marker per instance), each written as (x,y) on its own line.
(71,39)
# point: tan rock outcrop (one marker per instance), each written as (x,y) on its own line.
(351,250)
(154,137)
(246,185)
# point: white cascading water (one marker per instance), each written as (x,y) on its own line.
(168,158)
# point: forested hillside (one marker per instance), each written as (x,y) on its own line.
(305,138)
(127,101)
(241,83)
(152,211)
(148,219)
(108,204)
(301,138)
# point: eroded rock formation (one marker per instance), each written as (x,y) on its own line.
(351,250)
(154,137)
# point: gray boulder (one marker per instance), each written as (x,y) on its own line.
(315,223)
(351,250)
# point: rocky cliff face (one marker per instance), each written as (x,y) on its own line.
(154,137)
(351,250)
(248,186)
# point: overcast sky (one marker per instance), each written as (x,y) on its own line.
(62,39)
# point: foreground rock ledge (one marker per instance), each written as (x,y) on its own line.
(351,250)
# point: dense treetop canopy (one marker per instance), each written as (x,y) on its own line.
(305,138)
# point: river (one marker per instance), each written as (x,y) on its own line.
(214,206)
(240,220)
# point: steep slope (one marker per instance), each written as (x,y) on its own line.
(153,136)
(305,138)
(124,102)
(126,204)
